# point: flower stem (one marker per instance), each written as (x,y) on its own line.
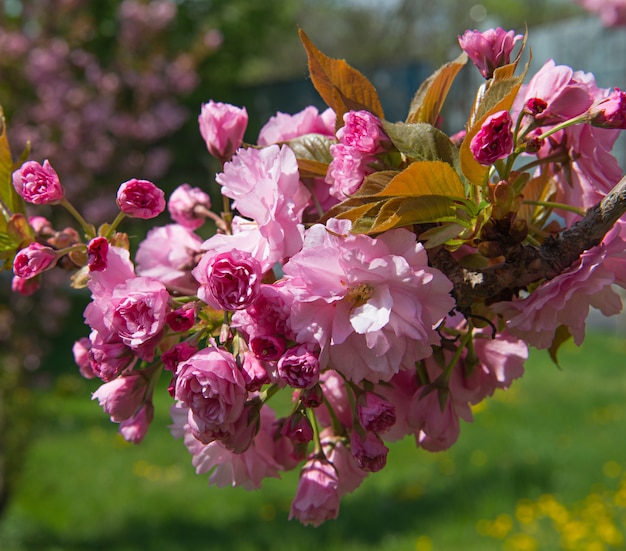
(89,229)
(552,205)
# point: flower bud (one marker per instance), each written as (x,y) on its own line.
(299,367)
(97,250)
(610,112)
(494,140)
(490,49)
(375,413)
(38,184)
(222,126)
(140,199)
(33,260)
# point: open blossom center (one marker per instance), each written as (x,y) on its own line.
(359,294)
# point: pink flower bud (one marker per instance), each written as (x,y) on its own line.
(182,319)
(122,397)
(80,350)
(370,454)
(210,384)
(230,280)
(186,206)
(222,126)
(317,498)
(180,352)
(363,132)
(610,112)
(254,373)
(268,347)
(25,287)
(134,429)
(490,49)
(375,413)
(140,199)
(33,260)
(38,184)
(299,367)
(494,140)
(97,250)
(297,428)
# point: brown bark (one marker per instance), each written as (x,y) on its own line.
(525,264)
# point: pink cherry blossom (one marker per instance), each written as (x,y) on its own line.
(375,302)
(80,351)
(25,287)
(375,413)
(369,452)
(187,206)
(222,126)
(122,397)
(349,473)
(347,170)
(97,250)
(265,187)
(135,428)
(317,498)
(140,199)
(226,468)
(38,184)
(299,367)
(489,49)
(183,318)
(33,260)
(611,12)
(283,127)
(566,92)
(298,428)
(169,253)
(494,140)
(363,132)
(180,352)
(228,280)
(610,112)
(109,357)
(565,300)
(211,385)
(141,305)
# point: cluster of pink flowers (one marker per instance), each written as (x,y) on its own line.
(360,328)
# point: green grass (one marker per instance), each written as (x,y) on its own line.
(556,433)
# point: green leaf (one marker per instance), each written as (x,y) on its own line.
(313,147)
(10,201)
(399,212)
(422,142)
(561,336)
(429,98)
(440,235)
(342,87)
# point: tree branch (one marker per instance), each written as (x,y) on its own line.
(525,264)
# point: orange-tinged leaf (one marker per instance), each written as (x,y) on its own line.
(311,169)
(341,86)
(398,212)
(9,199)
(429,98)
(425,178)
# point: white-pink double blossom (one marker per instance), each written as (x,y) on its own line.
(372,305)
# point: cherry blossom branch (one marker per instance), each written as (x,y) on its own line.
(526,264)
